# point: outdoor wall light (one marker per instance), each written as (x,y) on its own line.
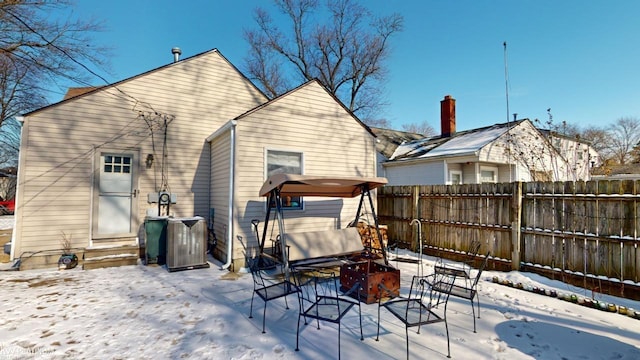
(149,160)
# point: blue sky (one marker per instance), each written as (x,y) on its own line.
(579,58)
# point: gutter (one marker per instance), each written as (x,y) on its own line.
(17,211)
(232,157)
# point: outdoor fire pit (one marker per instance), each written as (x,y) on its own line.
(369,273)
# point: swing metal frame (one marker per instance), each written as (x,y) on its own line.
(278,186)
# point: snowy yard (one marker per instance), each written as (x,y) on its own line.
(145,312)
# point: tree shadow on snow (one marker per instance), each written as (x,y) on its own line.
(550,341)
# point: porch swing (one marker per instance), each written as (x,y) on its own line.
(325,249)
(294,248)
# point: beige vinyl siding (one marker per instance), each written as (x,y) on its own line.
(220,173)
(332,142)
(58,160)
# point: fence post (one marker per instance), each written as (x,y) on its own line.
(516,223)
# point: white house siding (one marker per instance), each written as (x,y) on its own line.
(196,96)
(416,173)
(529,150)
(333,143)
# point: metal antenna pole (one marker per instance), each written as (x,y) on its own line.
(506,78)
(506,89)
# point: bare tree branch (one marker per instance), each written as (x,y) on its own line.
(345,52)
(36,51)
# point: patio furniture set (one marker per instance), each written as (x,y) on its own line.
(331,274)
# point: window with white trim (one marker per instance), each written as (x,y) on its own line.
(285,162)
(455,177)
(488,174)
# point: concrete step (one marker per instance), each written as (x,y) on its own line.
(110,256)
(113,261)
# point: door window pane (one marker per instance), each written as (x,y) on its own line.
(117,164)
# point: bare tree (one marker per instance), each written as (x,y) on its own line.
(424,129)
(346,52)
(598,138)
(623,136)
(38,50)
(9,143)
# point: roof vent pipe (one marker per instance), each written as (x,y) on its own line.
(176,53)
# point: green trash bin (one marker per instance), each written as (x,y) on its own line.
(155,233)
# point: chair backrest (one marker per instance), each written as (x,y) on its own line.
(440,286)
(481,268)
(257,264)
(474,248)
(418,287)
(473,251)
(316,284)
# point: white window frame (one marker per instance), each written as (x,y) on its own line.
(268,173)
(455,172)
(489,169)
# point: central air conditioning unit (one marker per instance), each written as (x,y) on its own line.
(186,243)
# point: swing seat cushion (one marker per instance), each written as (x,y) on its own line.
(325,243)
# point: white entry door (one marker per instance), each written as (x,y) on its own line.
(115,193)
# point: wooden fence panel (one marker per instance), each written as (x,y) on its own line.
(588,228)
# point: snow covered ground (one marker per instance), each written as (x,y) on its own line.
(146,312)
(6,222)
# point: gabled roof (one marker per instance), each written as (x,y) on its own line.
(459,143)
(74,93)
(316,81)
(389,139)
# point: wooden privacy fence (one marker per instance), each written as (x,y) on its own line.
(585,233)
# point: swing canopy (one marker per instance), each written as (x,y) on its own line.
(312,185)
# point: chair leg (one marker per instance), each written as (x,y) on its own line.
(446,326)
(406,329)
(298,332)
(473,311)
(360,316)
(264,315)
(338,340)
(251,307)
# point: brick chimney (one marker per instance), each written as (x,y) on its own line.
(447,116)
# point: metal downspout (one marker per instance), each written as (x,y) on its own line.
(232,174)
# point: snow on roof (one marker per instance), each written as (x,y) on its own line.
(465,142)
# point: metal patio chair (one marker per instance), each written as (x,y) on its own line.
(461,270)
(267,288)
(320,299)
(423,306)
(465,288)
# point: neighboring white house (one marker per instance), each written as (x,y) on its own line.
(93,165)
(513,151)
